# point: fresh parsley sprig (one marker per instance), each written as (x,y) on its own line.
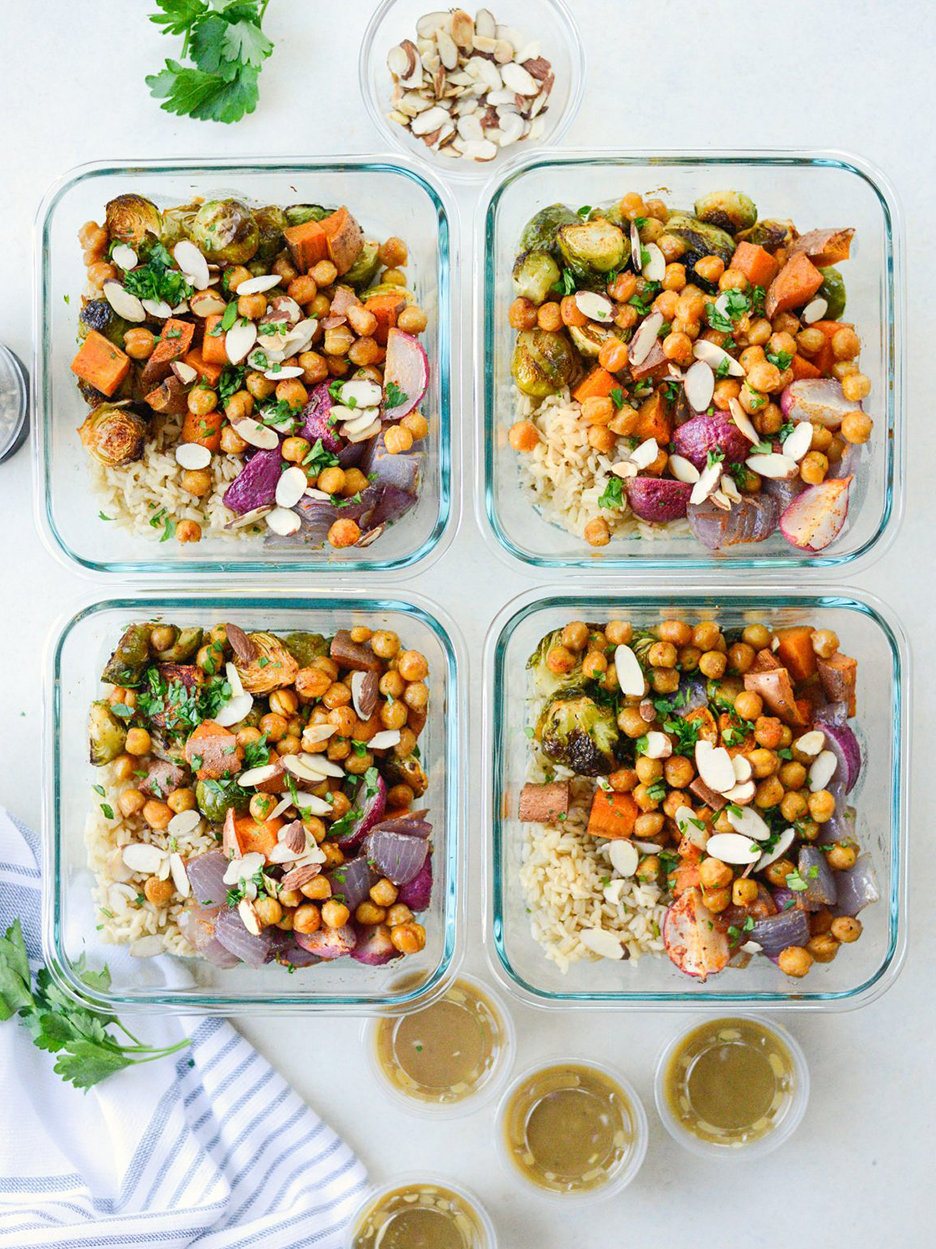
(87,1052)
(225,41)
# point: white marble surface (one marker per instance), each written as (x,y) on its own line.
(847,74)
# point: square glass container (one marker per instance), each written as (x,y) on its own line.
(814,190)
(389,196)
(862,972)
(77,650)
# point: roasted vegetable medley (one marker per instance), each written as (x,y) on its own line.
(722,762)
(262,788)
(262,362)
(713,376)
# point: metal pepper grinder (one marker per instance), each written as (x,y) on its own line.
(14,403)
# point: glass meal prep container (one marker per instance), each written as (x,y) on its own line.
(78,648)
(814,190)
(864,970)
(388,196)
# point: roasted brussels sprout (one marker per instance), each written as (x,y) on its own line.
(609,212)
(176,225)
(132,219)
(304,647)
(185,647)
(387,288)
(700,239)
(575,731)
(534,275)
(271,667)
(545,681)
(541,232)
(591,247)
(216,798)
(543,362)
(832,291)
(408,771)
(97,314)
(770,234)
(107,734)
(366,265)
(590,338)
(226,232)
(114,434)
(131,657)
(271,222)
(299,214)
(729,210)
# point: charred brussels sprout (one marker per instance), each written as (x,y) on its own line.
(544,679)
(590,338)
(408,771)
(271,667)
(366,265)
(97,314)
(575,731)
(770,234)
(609,212)
(176,225)
(131,658)
(543,362)
(132,219)
(114,434)
(226,232)
(700,239)
(387,288)
(832,291)
(534,275)
(107,735)
(271,222)
(299,214)
(185,647)
(305,647)
(541,232)
(592,247)
(729,210)
(216,798)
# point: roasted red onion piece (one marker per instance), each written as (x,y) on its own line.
(857,887)
(784,490)
(206,876)
(230,931)
(374,947)
(328,943)
(844,745)
(351,882)
(417,893)
(393,504)
(752,520)
(398,856)
(776,932)
(819,879)
(371,808)
(411,824)
(399,470)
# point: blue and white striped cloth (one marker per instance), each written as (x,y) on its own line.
(210,1147)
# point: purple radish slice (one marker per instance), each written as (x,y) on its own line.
(857,887)
(815,517)
(351,882)
(694,942)
(406,374)
(417,893)
(819,879)
(374,947)
(657,499)
(230,931)
(328,943)
(371,807)
(752,520)
(317,416)
(817,399)
(396,855)
(255,484)
(694,439)
(206,876)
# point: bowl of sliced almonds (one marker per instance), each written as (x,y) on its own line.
(466,89)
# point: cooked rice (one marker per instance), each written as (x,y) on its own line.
(143,495)
(570,885)
(566,476)
(122,919)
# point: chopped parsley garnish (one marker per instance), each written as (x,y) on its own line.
(394,396)
(736,304)
(617,397)
(257,754)
(158,279)
(318,458)
(781,359)
(231,380)
(613,493)
(566,283)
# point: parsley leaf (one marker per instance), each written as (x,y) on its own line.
(613,493)
(780,358)
(566,283)
(395,397)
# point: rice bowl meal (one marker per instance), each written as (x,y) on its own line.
(684,372)
(256,794)
(252,372)
(688,793)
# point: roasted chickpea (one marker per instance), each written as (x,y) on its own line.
(344,533)
(408,938)
(821,806)
(757,636)
(856,427)
(767,731)
(823,947)
(274,726)
(188,531)
(717,900)
(123,767)
(748,705)
(710,268)
(318,889)
(384,893)
(846,929)
(768,793)
(521,314)
(648,868)
(795,960)
(713,664)
(648,770)
(335,914)
(841,857)
(158,892)
(743,891)
(645,799)
(138,742)
(597,532)
(662,655)
(417,425)
(678,771)
(412,666)
(139,343)
(845,344)
(778,871)
(157,814)
(307,918)
(130,802)
(714,874)
(594,664)
(631,722)
(793,805)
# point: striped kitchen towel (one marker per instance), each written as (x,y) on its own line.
(210,1147)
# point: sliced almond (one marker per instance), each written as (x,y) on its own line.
(655,268)
(319,765)
(257,776)
(157,308)
(714,356)
(728,489)
(815,310)
(485,25)
(234,710)
(483,149)
(312,803)
(283,522)
(658,746)
(448,51)
(122,302)
(601,942)
(742,767)
(517,79)
(431,22)
(821,770)
(733,848)
(361,393)
(141,856)
(743,421)
(594,306)
(279,372)
(184,372)
(714,766)
(787,837)
(751,947)
(184,823)
(314,733)
(256,434)
(192,263)
(625,468)
(291,487)
(699,385)
(646,336)
(624,856)
(366,434)
(720,499)
(746,820)
(428,121)
(511,129)
(239,340)
(192,455)
(644,454)
(124,257)
(635,247)
(245,654)
(147,947)
(256,286)
(179,875)
(207,304)
(248,518)
(810,743)
(773,465)
(683,469)
(629,672)
(249,916)
(688,824)
(385,739)
(740,793)
(799,442)
(708,481)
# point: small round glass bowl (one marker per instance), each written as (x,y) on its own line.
(785,1126)
(548,22)
(486,1238)
(625,1170)
(492,1080)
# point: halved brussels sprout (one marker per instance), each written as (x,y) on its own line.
(408,771)
(131,219)
(272,666)
(299,214)
(176,225)
(609,212)
(578,733)
(185,647)
(130,658)
(366,265)
(114,434)
(543,362)
(216,798)
(590,338)
(106,734)
(592,247)
(832,291)
(534,275)
(387,288)
(305,647)
(700,239)
(541,232)
(271,222)
(225,231)
(730,210)
(97,314)
(770,233)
